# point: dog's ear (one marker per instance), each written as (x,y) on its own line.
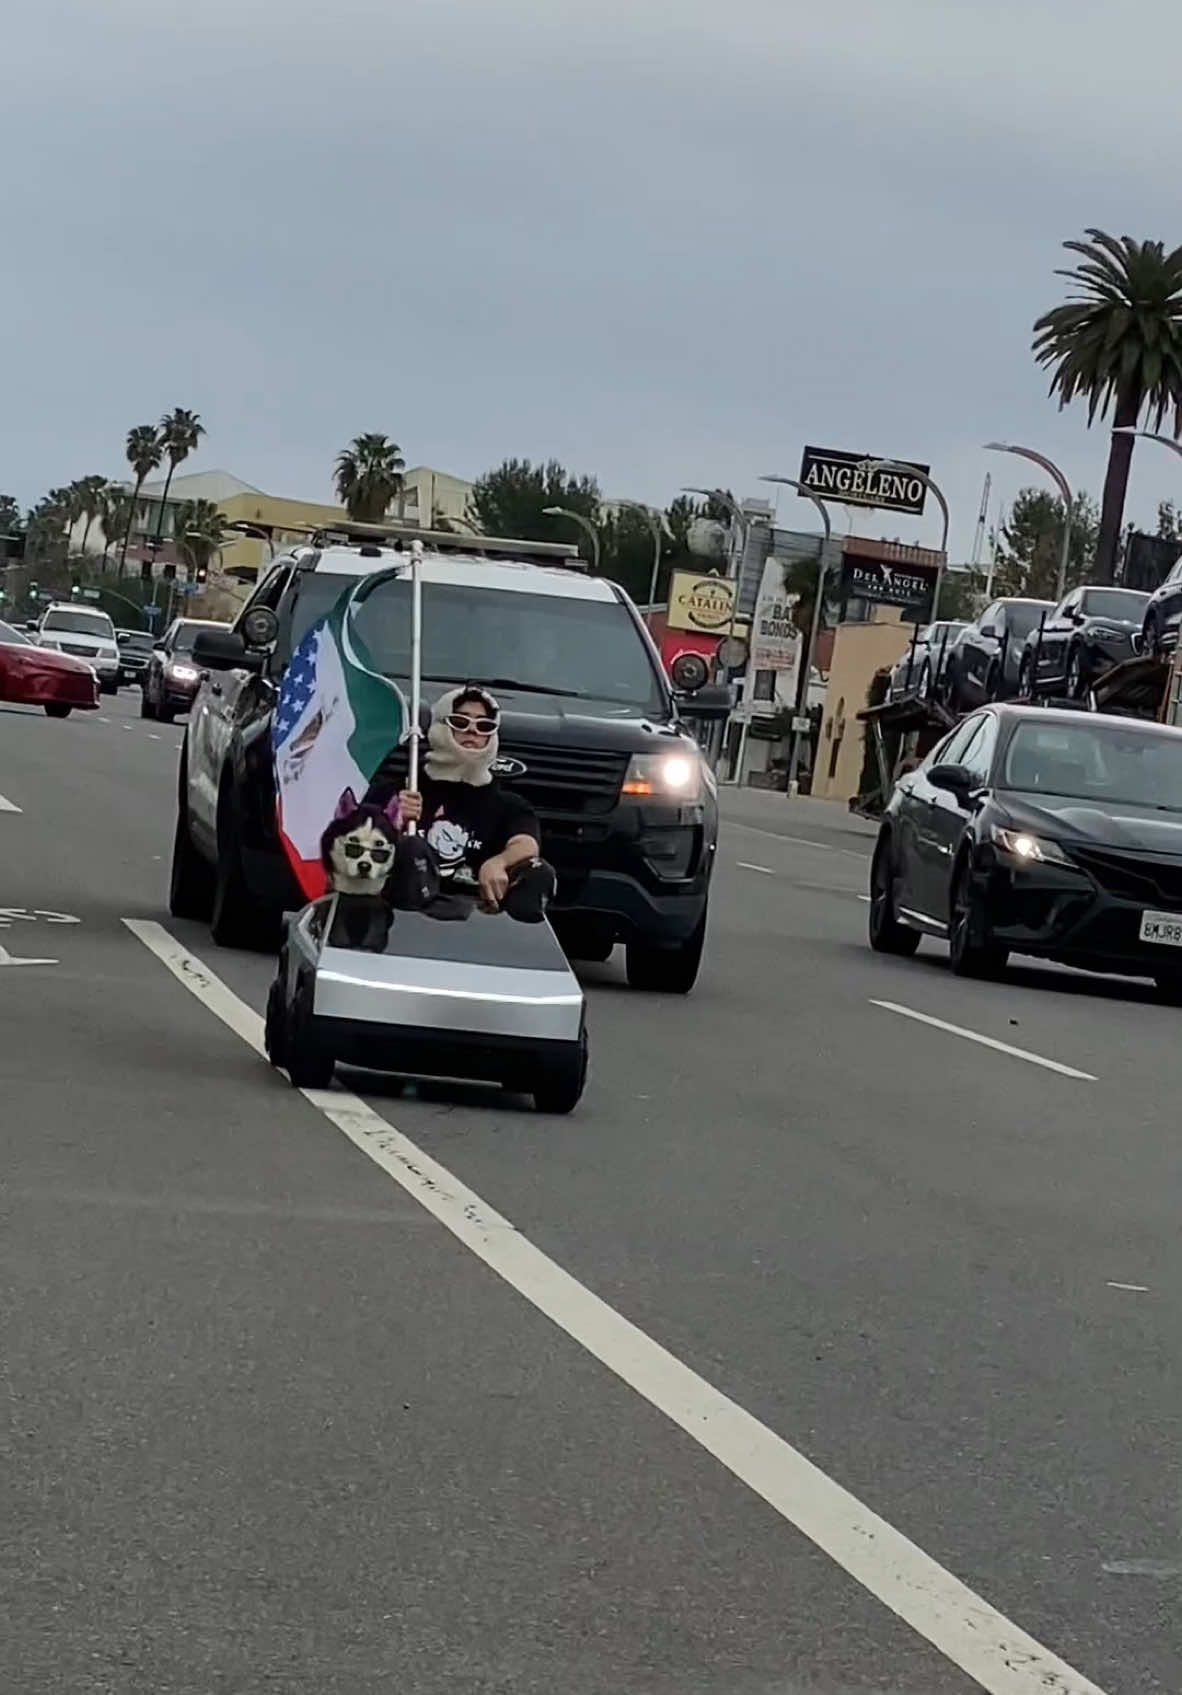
(346,804)
(392,811)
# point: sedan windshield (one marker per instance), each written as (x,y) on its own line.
(12,638)
(1102,764)
(536,644)
(1124,604)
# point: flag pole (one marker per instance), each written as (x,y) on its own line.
(416,665)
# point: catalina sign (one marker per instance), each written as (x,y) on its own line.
(830,474)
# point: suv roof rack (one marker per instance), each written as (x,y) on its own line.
(348,533)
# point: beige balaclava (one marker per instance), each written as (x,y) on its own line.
(446,761)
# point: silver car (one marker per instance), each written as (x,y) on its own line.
(922,667)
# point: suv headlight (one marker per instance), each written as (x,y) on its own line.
(665,776)
(1030,850)
(180,672)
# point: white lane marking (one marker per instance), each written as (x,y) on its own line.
(798,841)
(764,870)
(9,913)
(152,736)
(985,1041)
(101,720)
(1133,1288)
(9,959)
(8,805)
(866,898)
(1002,1658)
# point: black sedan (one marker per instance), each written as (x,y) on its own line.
(984,663)
(1039,831)
(1091,630)
(135,654)
(1163,615)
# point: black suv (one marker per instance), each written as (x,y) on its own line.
(591,735)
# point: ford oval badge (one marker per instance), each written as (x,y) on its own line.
(506,767)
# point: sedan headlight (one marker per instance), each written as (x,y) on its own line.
(1028,849)
(1105,633)
(666,776)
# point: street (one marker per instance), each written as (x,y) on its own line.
(414,1390)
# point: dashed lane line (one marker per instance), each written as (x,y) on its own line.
(999,1656)
(8,805)
(797,841)
(986,1041)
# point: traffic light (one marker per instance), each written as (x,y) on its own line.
(31,591)
(75,590)
(169,573)
(201,574)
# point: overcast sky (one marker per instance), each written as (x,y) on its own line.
(666,242)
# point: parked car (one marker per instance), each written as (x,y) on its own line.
(1090,630)
(135,652)
(1041,831)
(984,664)
(84,632)
(37,676)
(171,678)
(592,736)
(1163,615)
(922,667)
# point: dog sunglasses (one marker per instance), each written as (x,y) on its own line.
(379,855)
(481,726)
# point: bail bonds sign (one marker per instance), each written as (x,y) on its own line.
(831,474)
(775,639)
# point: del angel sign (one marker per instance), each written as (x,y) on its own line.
(832,474)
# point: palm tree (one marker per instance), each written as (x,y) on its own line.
(1117,343)
(144,454)
(89,495)
(201,532)
(118,511)
(180,431)
(369,476)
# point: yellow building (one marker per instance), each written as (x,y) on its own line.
(859,650)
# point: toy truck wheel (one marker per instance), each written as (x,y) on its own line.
(558,1086)
(306,1059)
(275,1025)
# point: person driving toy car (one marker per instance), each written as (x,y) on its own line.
(483,838)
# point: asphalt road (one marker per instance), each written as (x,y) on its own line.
(272,1423)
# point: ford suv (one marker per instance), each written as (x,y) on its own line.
(591,735)
(84,632)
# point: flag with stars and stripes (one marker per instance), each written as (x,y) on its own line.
(335,720)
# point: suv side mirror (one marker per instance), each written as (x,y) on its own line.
(711,702)
(957,780)
(989,630)
(224,650)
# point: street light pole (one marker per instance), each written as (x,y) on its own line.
(657,523)
(806,662)
(872,465)
(584,524)
(1064,488)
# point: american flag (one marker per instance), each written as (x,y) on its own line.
(296,690)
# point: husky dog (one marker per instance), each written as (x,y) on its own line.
(357,851)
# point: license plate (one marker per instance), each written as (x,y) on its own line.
(1164,928)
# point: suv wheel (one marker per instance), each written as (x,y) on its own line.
(669,971)
(971,952)
(191,883)
(558,1088)
(145,703)
(237,919)
(887,935)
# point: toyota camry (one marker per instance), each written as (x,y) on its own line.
(1051,833)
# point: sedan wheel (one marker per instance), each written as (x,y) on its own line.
(971,952)
(1151,639)
(887,935)
(55,709)
(1076,677)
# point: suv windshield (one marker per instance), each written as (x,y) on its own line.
(184,637)
(95,624)
(1103,764)
(547,644)
(138,641)
(1115,603)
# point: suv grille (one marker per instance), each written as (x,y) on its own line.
(81,648)
(581,780)
(1134,877)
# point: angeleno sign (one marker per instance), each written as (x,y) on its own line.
(832,474)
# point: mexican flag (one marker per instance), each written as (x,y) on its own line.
(336,719)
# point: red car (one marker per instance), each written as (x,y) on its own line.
(36,676)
